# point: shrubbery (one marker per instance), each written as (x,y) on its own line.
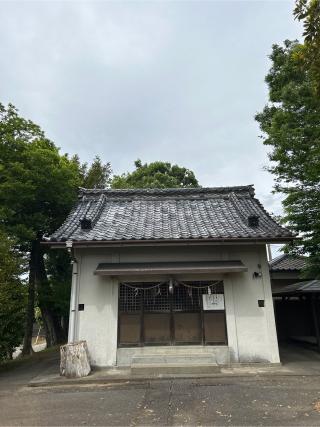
(12,298)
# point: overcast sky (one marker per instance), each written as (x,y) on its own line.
(175,81)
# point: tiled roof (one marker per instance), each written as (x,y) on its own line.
(172,214)
(312,286)
(287,263)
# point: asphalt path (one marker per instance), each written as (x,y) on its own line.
(233,401)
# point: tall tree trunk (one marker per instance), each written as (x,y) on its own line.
(29,319)
(65,327)
(51,336)
(46,326)
(54,332)
(38,281)
(60,331)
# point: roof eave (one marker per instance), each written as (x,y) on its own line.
(159,242)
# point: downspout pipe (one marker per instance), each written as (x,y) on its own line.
(74,294)
(269,252)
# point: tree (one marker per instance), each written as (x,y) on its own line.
(58,266)
(59,272)
(12,297)
(308,11)
(38,186)
(97,175)
(291,127)
(155,175)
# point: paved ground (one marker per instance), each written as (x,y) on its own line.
(253,400)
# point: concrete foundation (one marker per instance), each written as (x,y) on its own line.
(174,363)
(126,356)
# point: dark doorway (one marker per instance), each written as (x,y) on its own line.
(297,319)
(155,314)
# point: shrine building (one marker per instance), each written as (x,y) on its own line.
(171,275)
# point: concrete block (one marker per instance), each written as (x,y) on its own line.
(163,369)
(178,358)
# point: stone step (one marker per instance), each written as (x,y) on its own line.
(181,349)
(174,358)
(167,369)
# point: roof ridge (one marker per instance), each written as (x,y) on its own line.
(234,200)
(165,191)
(96,211)
(269,215)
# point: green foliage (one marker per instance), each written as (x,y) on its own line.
(291,126)
(98,175)
(12,297)
(156,175)
(38,187)
(37,184)
(59,272)
(308,11)
(58,266)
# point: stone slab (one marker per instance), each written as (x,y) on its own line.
(156,369)
(174,358)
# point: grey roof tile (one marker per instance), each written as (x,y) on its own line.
(170,214)
(311,286)
(287,262)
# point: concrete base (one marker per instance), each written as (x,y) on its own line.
(126,356)
(181,358)
(178,363)
(169,369)
(297,361)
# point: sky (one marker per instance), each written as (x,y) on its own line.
(177,81)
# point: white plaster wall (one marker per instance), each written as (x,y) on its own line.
(251,329)
(98,323)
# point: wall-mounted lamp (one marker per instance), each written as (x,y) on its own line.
(69,245)
(257,274)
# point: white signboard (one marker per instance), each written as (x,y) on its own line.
(213,301)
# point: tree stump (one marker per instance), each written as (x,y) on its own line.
(74,360)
